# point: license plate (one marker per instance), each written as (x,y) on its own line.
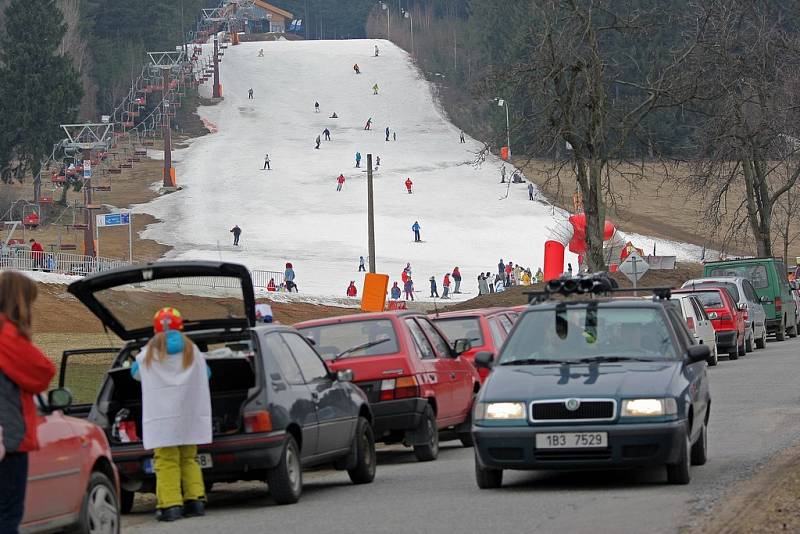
(204,460)
(572,440)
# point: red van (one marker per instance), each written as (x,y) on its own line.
(417,383)
(728,320)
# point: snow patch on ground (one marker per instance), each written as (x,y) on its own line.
(50,278)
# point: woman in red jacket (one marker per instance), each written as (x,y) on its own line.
(24,372)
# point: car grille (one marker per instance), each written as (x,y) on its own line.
(589,410)
(573,455)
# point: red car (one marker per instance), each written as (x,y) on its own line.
(727,319)
(486,329)
(72,481)
(417,384)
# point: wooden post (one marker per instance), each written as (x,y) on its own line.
(370,215)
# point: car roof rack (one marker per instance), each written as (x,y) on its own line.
(597,284)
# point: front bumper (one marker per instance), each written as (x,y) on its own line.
(635,444)
(403,414)
(726,340)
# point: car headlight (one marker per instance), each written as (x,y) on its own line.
(648,407)
(500,410)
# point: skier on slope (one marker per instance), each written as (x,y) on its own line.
(351,289)
(250,94)
(236,231)
(358,160)
(462,137)
(446,286)
(434,291)
(377,161)
(530,191)
(361,264)
(457,280)
(416,228)
(261,53)
(266,162)
(318,141)
(408,286)
(327,133)
(340,182)
(368,125)
(387,133)
(376,51)
(355,68)
(409,183)
(316,107)
(375,89)
(503,174)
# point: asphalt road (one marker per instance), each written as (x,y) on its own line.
(755,414)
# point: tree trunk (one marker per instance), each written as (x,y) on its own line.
(594,209)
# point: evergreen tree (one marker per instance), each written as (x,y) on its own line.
(40,89)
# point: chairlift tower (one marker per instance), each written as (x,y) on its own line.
(167,62)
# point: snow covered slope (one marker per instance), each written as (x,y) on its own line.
(294,213)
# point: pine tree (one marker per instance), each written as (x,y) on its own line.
(40,89)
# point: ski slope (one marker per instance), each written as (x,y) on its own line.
(294,213)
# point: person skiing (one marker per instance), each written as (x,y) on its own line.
(250,94)
(368,125)
(351,289)
(462,137)
(375,89)
(377,161)
(355,68)
(530,191)
(376,50)
(446,286)
(266,162)
(387,133)
(416,227)
(261,53)
(501,268)
(503,174)
(288,277)
(334,116)
(434,291)
(394,135)
(316,107)
(236,231)
(457,280)
(409,183)
(318,141)
(408,287)
(176,414)
(358,160)
(361,264)
(327,133)
(395,292)
(339,184)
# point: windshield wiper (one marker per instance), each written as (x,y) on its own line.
(533,361)
(360,347)
(607,359)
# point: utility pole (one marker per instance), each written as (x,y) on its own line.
(370,216)
(169,172)
(88,216)
(216,93)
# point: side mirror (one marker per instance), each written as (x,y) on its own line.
(742,306)
(345,375)
(484,359)
(698,353)
(460,346)
(59,399)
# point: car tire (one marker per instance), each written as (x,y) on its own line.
(680,472)
(126,501)
(487,478)
(700,447)
(762,341)
(99,511)
(430,450)
(734,353)
(285,480)
(364,443)
(780,332)
(714,358)
(748,344)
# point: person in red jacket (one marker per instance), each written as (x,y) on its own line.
(446,286)
(409,183)
(340,182)
(351,289)
(24,372)
(37,254)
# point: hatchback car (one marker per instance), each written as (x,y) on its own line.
(486,330)
(698,324)
(588,384)
(417,382)
(72,482)
(744,294)
(727,318)
(276,407)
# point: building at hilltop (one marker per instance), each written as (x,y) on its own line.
(263,17)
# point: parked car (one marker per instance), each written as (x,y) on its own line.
(276,407)
(416,381)
(727,318)
(486,329)
(768,276)
(744,294)
(72,482)
(698,324)
(591,384)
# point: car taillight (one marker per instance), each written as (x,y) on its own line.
(778,304)
(403,387)
(690,323)
(723,316)
(259,421)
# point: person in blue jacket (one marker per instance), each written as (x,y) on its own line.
(288,277)
(416,227)
(434,291)
(395,292)
(358,159)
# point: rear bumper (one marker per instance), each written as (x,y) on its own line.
(726,340)
(403,414)
(628,445)
(772,325)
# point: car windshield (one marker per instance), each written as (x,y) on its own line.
(730,286)
(460,328)
(585,333)
(709,299)
(756,273)
(352,339)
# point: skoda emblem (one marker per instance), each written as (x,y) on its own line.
(572,404)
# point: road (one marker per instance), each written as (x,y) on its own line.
(755,414)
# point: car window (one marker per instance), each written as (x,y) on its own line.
(373,337)
(440,344)
(307,359)
(709,299)
(505,322)
(679,325)
(499,333)
(512,316)
(699,312)
(756,273)
(461,328)
(423,346)
(730,286)
(283,356)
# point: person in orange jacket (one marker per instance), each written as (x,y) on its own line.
(409,183)
(351,289)
(24,372)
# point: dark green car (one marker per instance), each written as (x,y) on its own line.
(594,383)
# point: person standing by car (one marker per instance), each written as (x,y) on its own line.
(176,415)
(24,372)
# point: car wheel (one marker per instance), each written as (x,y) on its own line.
(430,450)
(748,344)
(466,437)
(700,448)
(780,332)
(364,471)
(486,477)
(285,480)
(126,501)
(99,512)
(714,358)
(762,341)
(679,472)
(734,353)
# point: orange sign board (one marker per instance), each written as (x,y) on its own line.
(373,296)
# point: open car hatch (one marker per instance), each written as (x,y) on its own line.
(209,295)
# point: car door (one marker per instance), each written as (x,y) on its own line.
(757,314)
(54,470)
(705,330)
(499,333)
(458,369)
(288,391)
(435,372)
(695,373)
(336,414)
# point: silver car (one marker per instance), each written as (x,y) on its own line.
(743,292)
